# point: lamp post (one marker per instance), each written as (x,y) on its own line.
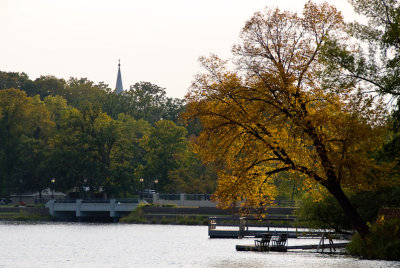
(53,180)
(84,187)
(155,184)
(20,191)
(141,188)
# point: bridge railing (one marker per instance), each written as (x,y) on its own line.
(65,201)
(179,199)
(198,196)
(127,200)
(98,200)
(169,196)
(121,200)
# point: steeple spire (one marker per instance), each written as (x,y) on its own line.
(118,87)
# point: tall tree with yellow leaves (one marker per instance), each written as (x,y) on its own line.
(270,114)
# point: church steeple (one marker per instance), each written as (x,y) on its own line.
(118,87)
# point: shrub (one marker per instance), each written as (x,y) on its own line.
(169,205)
(136,216)
(165,220)
(383,242)
(201,220)
(184,220)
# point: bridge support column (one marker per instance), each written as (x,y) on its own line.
(155,198)
(113,213)
(50,205)
(78,213)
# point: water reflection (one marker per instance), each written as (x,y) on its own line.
(120,245)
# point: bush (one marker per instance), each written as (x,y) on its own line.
(169,205)
(328,214)
(136,216)
(25,216)
(165,220)
(383,242)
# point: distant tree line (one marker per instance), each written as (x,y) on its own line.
(91,140)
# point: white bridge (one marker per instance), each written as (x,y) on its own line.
(95,208)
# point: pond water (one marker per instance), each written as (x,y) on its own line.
(136,245)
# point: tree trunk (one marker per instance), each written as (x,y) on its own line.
(355,219)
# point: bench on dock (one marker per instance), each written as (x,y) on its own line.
(281,240)
(265,240)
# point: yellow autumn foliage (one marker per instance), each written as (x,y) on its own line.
(271,114)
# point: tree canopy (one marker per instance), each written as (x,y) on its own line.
(272,113)
(90,139)
(373,58)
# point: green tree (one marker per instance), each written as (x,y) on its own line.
(149,102)
(192,176)
(324,214)
(24,128)
(374,60)
(14,80)
(327,213)
(165,146)
(114,104)
(80,91)
(68,157)
(128,157)
(45,86)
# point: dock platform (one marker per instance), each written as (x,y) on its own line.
(286,248)
(238,227)
(245,233)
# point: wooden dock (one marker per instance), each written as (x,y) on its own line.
(260,249)
(245,233)
(286,248)
(238,227)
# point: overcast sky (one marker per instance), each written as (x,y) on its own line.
(158,41)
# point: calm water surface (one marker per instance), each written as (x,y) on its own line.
(120,245)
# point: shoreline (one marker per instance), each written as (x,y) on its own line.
(142,215)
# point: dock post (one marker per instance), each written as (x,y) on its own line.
(212,223)
(331,243)
(321,243)
(242,223)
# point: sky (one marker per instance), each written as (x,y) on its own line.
(157,41)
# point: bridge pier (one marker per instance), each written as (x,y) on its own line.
(78,203)
(50,205)
(112,208)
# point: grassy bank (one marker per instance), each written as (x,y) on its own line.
(139,216)
(12,213)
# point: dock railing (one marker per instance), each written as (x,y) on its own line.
(253,227)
